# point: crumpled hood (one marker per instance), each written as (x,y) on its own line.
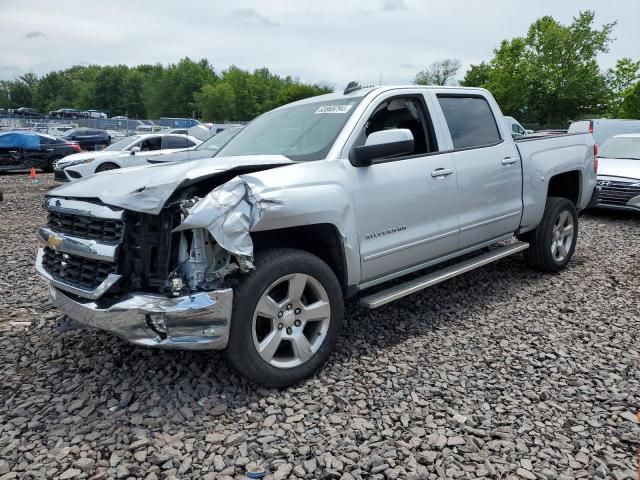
(618,167)
(147,188)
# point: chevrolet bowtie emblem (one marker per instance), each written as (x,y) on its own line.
(54,242)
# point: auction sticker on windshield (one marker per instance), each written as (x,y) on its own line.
(334,109)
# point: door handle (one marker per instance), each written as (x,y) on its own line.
(441,172)
(509,160)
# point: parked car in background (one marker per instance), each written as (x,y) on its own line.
(95,114)
(604,128)
(24,149)
(206,149)
(128,152)
(179,131)
(619,172)
(89,139)
(66,113)
(25,112)
(516,129)
(119,117)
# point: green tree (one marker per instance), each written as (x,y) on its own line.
(299,91)
(619,80)
(477,75)
(442,72)
(216,102)
(630,106)
(551,75)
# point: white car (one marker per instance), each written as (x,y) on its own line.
(516,128)
(128,152)
(619,172)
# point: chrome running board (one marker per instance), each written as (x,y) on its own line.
(394,293)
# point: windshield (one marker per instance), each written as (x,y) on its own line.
(299,132)
(121,144)
(620,147)
(218,140)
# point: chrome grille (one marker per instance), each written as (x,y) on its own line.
(81,226)
(76,271)
(617,193)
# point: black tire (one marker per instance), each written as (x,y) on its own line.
(107,166)
(271,266)
(539,255)
(50,164)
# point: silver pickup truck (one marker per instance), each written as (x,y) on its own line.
(254,251)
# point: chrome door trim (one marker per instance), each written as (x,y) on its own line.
(373,256)
(491,220)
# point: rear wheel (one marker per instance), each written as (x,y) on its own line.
(106,166)
(553,242)
(287,316)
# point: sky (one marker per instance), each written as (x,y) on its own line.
(329,42)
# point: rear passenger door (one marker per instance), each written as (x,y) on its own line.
(489,171)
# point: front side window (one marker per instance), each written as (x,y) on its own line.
(470,121)
(150,144)
(405,112)
(300,132)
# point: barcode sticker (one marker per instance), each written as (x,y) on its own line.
(334,109)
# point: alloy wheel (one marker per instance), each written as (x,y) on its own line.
(562,236)
(291,320)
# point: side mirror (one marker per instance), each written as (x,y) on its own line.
(382,144)
(134,150)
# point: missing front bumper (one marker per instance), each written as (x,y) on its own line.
(197,322)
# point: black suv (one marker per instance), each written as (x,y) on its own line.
(21,150)
(88,139)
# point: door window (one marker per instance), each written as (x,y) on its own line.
(176,141)
(151,144)
(402,112)
(470,121)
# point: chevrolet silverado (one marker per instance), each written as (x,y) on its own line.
(255,250)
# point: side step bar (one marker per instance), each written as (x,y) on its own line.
(394,293)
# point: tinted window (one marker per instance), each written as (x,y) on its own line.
(150,144)
(470,121)
(175,141)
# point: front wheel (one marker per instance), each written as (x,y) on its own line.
(52,163)
(106,166)
(287,316)
(553,241)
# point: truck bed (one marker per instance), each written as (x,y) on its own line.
(553,154)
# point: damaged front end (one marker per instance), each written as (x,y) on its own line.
(156,279)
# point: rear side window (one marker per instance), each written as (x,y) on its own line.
(470,121)
(175,141)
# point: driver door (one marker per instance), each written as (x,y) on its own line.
(406,207)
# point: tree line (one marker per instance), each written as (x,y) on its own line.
(149,91)
(551,75)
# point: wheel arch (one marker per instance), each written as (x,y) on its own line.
(566,185)
(320,239)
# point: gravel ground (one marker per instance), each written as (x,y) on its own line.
(501,373)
